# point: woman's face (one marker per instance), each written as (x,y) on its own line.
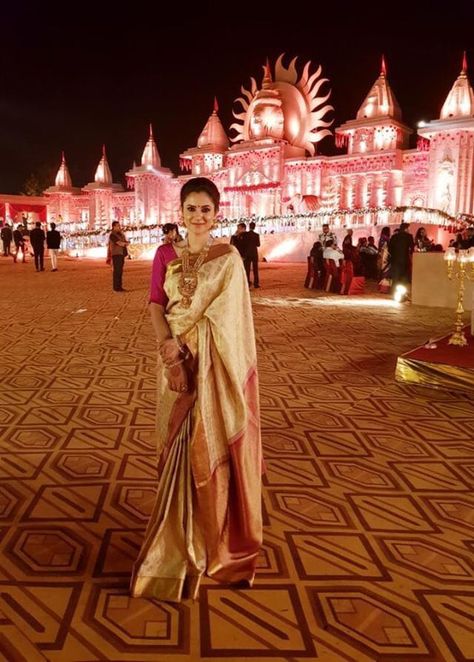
(170,236)
(199,213)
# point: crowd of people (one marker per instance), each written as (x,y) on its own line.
(330,267)
(20,242)
(463,240)
(389,261)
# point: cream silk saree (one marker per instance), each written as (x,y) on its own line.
(207,515)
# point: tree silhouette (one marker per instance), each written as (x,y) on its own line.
(39,180)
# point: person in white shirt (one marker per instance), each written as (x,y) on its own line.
(327,236)
(331,253)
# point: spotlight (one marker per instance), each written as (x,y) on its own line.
(400,293)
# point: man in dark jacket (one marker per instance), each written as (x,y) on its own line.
(117,251)
(251,244)
(7,236)
(19,242)
(238,239)
(53,242)
(37,239)
(400,248)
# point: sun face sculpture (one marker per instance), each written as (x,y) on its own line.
(266,119)
(285,108)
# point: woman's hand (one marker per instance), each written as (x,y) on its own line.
(177,378)
(169,351)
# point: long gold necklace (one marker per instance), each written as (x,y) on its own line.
(189,276)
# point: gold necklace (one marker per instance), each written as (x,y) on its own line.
(189,276)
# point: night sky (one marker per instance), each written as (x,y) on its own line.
(99,74)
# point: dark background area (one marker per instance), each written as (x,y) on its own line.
(80,75)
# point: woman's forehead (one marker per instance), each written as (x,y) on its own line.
(198,199)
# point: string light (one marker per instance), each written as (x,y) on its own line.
(301,222)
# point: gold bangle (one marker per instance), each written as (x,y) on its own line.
(181,345)
(171,365)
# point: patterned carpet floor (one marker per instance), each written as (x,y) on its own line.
(369,527)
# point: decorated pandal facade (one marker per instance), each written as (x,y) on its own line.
(270,171)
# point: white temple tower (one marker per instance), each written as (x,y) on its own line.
(153,188)
(101,192)
(451,150)
(208,155)
(379,135)
(61,208)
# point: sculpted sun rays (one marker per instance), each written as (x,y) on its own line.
(285,107)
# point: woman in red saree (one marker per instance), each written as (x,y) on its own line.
(207,515)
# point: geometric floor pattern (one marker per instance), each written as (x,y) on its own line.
(368,506)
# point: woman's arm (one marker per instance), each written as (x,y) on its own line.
(169,350)
(159,323)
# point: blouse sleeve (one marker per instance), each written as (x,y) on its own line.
(158,274)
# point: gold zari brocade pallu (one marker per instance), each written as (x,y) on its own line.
(207,517)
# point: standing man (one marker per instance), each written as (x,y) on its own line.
(400,248)
(118,250)
(326,236)
(238,239)
(7,236)
(37,239)
(19,242)
(251,242)
(53,242)
(347,245)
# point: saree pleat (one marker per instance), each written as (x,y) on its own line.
(207,516)
(173,544)
(229,504)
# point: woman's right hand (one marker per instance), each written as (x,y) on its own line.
(169,351)
(177,378)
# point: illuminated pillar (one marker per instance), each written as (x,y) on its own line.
(370,190)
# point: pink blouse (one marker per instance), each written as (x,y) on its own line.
(163,256)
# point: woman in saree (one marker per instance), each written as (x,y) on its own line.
(207,515)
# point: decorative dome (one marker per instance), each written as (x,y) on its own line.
(460,100)
(63,178)
(380,101)
(213,134)
(103,174)
(150,156)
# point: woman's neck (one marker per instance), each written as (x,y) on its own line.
(196,244)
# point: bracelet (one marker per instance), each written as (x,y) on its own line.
(171,365)
(181,345)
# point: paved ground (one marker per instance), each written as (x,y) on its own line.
(368,491)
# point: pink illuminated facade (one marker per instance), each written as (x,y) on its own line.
(270,167)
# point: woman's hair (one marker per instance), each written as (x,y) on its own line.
(385,231)
(200,185)
(167,227)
